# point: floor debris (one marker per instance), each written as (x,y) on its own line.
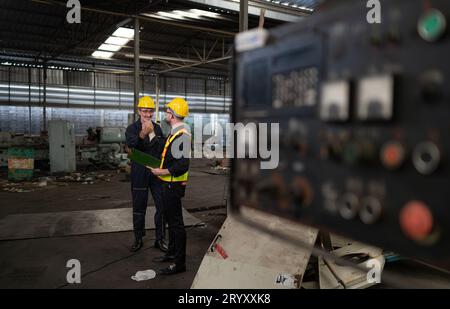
(47,182)
(144,275)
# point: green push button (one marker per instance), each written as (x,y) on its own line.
(432,25)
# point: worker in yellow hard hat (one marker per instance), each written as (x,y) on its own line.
(144,135)
(173,172)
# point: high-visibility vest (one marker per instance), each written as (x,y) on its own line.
(171,178)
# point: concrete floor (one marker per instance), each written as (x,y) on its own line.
(105,258)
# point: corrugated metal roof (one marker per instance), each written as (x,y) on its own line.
(300,4)
(40,30)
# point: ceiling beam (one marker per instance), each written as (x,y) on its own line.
(123,67)
(25,39)
(141,17)
(196,64)
(273,11)
(7,27)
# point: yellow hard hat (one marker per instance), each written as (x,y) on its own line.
(146,102)
(179,107)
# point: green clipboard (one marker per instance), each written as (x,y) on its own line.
(144,159)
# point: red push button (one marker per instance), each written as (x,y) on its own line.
(416,220)
(392,155)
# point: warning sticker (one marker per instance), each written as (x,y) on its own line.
(21,164)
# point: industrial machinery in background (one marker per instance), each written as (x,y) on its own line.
(22,155)
(62,151)
(364,114)
(38,143)
(104,147)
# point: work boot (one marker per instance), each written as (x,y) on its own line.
(161,245)
(136,245)
(172,269)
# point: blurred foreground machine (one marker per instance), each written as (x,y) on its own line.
(364,122)
(364,116)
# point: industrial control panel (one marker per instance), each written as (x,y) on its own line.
(364,124)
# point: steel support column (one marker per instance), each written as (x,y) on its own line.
(44,102)
(157,92)
(136,66)
(243,15)
(29,101)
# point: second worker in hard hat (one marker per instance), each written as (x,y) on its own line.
(173,173)
(144,135)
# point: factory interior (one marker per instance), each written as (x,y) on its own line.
(337,212)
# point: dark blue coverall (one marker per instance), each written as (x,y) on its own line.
(142,179)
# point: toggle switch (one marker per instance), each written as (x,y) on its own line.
(349,206)
(371,210)
(426,158)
